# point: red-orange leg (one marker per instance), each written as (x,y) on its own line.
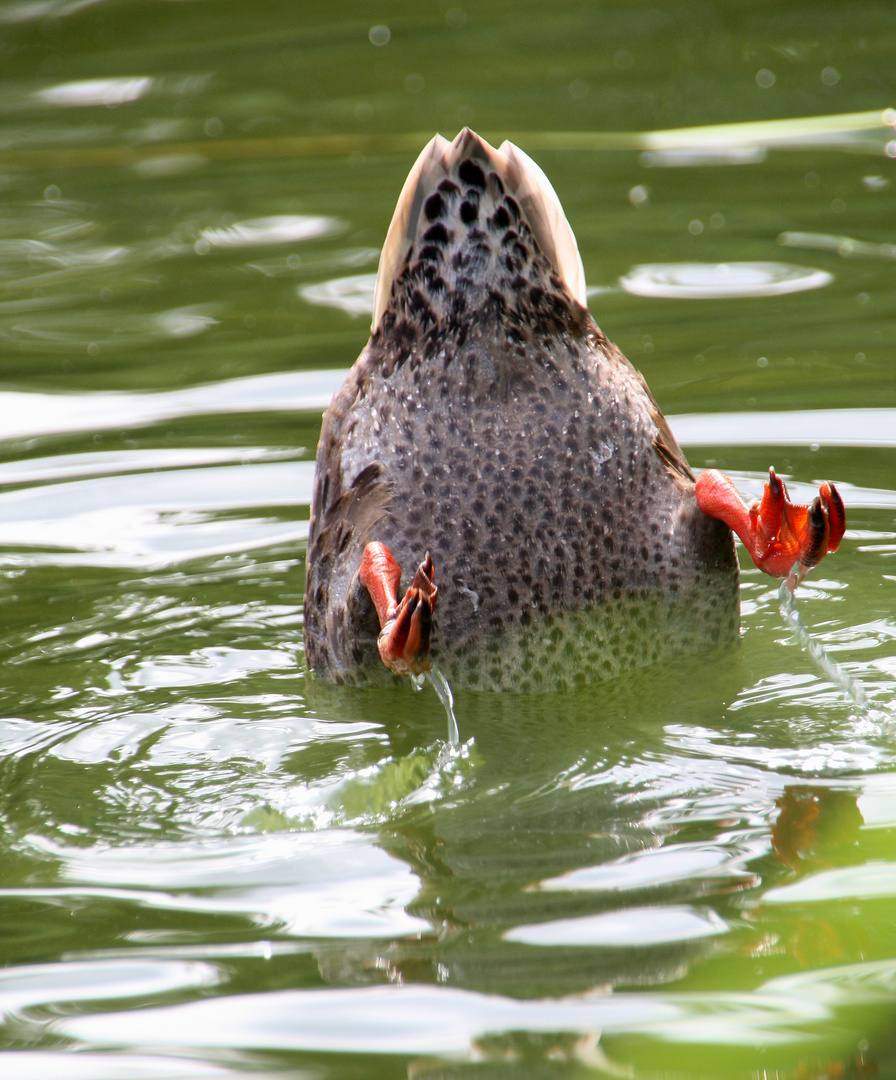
(406,626)
(777,533)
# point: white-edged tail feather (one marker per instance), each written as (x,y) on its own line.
(522,179)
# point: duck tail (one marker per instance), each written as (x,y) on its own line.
(467,185)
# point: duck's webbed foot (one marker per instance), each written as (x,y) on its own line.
(777,533)
(407,624)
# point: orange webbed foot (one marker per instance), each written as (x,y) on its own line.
(406,626)
(777,533)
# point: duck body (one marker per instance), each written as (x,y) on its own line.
(491,423)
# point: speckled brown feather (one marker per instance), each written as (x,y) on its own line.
(490,422)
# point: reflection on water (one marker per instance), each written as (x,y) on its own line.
(216,866)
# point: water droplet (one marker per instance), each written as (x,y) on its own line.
(603,454)
(639,195)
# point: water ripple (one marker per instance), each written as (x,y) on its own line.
(157,519)
(100,333)
(631,926)
(283,229)
(109,92)
(721,281)
(26,414)
(330,883)
(444,1021)
(353,294)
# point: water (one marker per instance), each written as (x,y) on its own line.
(214,866)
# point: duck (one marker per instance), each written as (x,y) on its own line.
(497,493)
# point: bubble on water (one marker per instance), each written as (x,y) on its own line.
(639,195)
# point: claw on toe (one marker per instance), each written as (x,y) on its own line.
(777,533)
(406,625)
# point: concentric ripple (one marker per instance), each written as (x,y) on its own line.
(711,281)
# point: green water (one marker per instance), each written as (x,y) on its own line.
(213,866)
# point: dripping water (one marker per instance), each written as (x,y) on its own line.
(443,690)
(830,668)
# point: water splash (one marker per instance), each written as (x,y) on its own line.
(830,668)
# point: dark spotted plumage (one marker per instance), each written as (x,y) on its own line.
(490,422)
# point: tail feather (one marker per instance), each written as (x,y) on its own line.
(521,178)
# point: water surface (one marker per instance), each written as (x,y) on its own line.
(213,865)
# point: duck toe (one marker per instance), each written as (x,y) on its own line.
(780,535)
